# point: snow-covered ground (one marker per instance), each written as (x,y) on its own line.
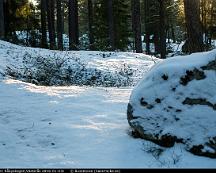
(76,126)
(77,67)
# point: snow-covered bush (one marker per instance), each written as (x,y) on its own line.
(58,70)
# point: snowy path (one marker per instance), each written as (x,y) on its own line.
(75,127)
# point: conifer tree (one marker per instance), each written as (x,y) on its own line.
(193,25)
(111,24)
(162,29)
(90,24)
(2,27)
(59,24)
(73,25)
(43,24)
(51,23)
(136,25)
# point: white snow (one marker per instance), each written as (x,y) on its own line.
(76,126)
(109,68)
(197,123)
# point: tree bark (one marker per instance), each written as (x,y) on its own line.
(43,24)
(59,24)
(147,32)
(51,22)
(204,19)
(111,24)
(136,24)
(90,24)
(8,32)
(173,34)
(193,25)
(156,42)
(210,34)
(73,25)
(162,29)
(2,26)
(147,39)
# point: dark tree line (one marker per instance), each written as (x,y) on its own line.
(18,16)
(112,25)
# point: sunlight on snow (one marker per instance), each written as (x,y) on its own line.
(70,91)
(118,96)
(98,126)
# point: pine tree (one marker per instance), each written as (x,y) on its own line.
(162,29)
(147,27)
(73,25)
(111,24)
(212,21)
(2,26)
(59,24)
(100,25)
(51,23)
(171,13)
(43,24)
(121,28)
(15,18)
(193,25)
(90,25)
(122,24)
(136,25)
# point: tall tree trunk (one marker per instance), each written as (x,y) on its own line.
(193,25)
(59,24)
(63,19)
(27,31)
(73,25)
(8,30)
(90,24)
(136,25)
(147,32)
(111,24)
(211,22)
(156,42)
(2,18)
(2,26)
(204,19)
(173,33)
(147,39)
(51,22)
(43,24)
(162,29)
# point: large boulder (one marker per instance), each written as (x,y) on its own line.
(176,103)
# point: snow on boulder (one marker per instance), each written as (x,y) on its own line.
(176,103)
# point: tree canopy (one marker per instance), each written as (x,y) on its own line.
(99,25)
